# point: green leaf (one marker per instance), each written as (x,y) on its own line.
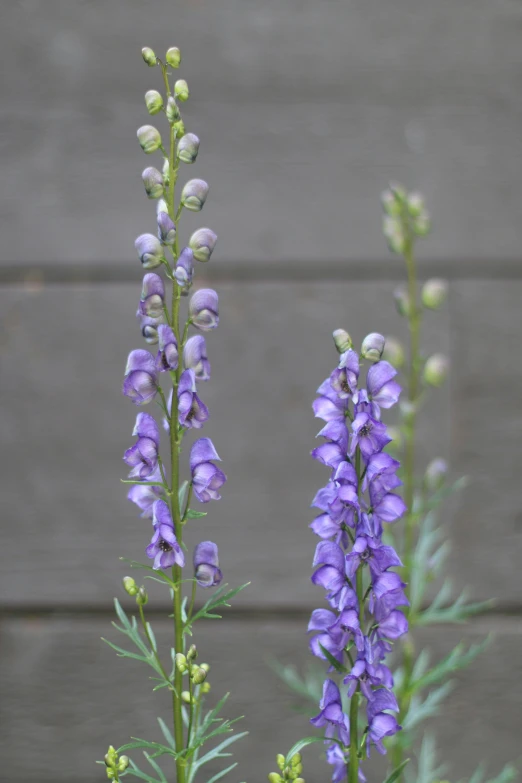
(124,653)
(427,768)
(157,747)
(166,733)
(508,774)
(192,514)
(397,772)
(219,598)
(222,773)
(309,685)
(333,661)
(181,493)
(300,745)
(457,659)
(419,709)
(217,752)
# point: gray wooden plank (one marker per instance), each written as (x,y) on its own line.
(304,117)
(65,696)
(65,427)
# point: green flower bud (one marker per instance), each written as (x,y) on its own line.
(394,352)
(173,57)
(149,56)
(142,598)
(130,586)
(172,110)
(415,204)
(394,233)
(205,687)
(153,182)
(153,101)
(298,768)
(199,675)
(179,129)
(342,340)
(149,138)
(422,225)
(188,147)
(402,301)
(123,763)
(434,293)
(111,773)
(205,666)
(192,653)
(274,777)
(373,346)
(295,760)
(111,757)
(185,696)
(181,90)
(280,761)
(435,475)
(194,194)
(181,663)
(390,204)
(436,369)
(299,780)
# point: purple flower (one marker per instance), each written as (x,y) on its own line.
(393,626)
(331,575)
(202,242)
(329,406)
(372,552)
(192,412)
(206,564)
(203,309)
(166,227)
(332,639)
(370,435)
(382,389)
(332,715)
(333,452)
(149,329)
(164,547)
(382,468)
(195,357)
(207,479)
(339,760)
(387,594)
(149,250)
(145,495)
(386,505)
(141,378)
(380,723)
(152,300)
(184,269)
(143,456)
(167,358)
(344,379)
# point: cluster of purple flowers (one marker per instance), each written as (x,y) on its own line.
(354,566)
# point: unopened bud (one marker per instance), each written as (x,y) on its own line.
(298,768)
(435,475)
(393,352)
(181,663)
(342,340)
(153,101)
(199,675)
(111,773)
(130,586)
(415,204)
(153,182)
(295,760)
(185,696)
(150,250)
(166,228)
(434,293)
(149,138)
(390,204)
(274,777)
(173,57)
(181,90)
(280,761)
(172,110)
(205,666)
(205,687)
(194,194)
(402,301)
(192,652)
(149,332)
(436,369)
(111,757)
(142,597)
(202,243)
(421,225)
(299,780)
(372,346)
(188,147)
(394,233)
(179,129)
(123,763)
(149,56)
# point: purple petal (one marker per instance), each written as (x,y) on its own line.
(206,552)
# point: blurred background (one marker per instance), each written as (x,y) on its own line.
(305,111)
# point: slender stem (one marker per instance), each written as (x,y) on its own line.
(191,711)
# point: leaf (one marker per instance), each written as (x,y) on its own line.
(181,493)
(192,514)
(397,772)
(217,751)
(124,653)
(219,598)
(427,769)
(157,747)
(508,774)
(166,733)
(300,745)
(333,661)
(420,710)
(159,576)
(310,685)
(222,773)
(457,659)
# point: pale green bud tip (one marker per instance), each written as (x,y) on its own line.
(153,182)
(199,675)
(415,204)
(173,57)
(111,757)
(149,56)
(185,696)
(149,138)
(153,101)
(194,194)
(123,763)
(435,475)
(436,369)
(172,110)
(206,667)
(373,346)
(342,340)
(181,90)
(181,663)
(434,293)
(130,586)
(179,129)
(280,761)
(274,777)
(299,780)
(394,352)
(393,231)
(402,301)
(142,597)
(205,687)
(422,225)
(188,147)
(192,652)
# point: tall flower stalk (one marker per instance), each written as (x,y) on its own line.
(172,379)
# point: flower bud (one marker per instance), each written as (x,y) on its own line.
(111,774)
(188,147)
(373,346)
(299,780)
(194,194)
(181,90)
(150,251)
(393,352)
(435,475)
(172,110)
(173,57)
(203,309)
(149,56)
(142,598)
(153,182)
(185,696)
(184,269)
(402,301)
(123,763)
(149,138)
(195,357)
(415,204)
(205,666)
(166,179)
(205,688)
(202,242)
(181,663)
(342,340)
(179,129)
(130,586)
(394,233)
(166,228)
(390,204)
(199,675)
(295,760)
(422,225)
(192,653)
(111,757)
(274,777)
(434,293)
(149,331)
(153,101)
(152,297)
(436,369)
(280,761)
